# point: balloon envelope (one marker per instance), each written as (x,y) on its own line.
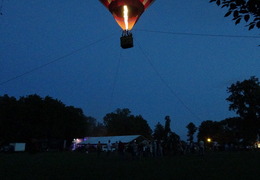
(135,9)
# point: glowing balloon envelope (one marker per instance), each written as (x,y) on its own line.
(126,14)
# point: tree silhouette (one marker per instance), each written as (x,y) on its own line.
(167,127)
(232,131)
(210,129)
(33,117)
(121,122)
(191,131)
(245,101)
(171,140)
(159,132)
(95,128)
(247,10)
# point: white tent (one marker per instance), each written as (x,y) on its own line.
(18,146)
(113,139)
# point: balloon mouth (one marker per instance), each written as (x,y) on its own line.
(126,16)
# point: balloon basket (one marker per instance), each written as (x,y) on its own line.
(127,40)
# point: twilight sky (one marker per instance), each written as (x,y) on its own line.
(185,56)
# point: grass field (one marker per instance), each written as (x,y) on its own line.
(71,165)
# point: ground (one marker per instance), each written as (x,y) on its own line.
(72,165)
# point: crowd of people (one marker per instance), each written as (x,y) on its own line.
(140,149)
(155,148)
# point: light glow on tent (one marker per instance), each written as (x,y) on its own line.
(75,142)
(258,144)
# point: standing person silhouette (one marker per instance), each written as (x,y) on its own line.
(99,148)
(109,147)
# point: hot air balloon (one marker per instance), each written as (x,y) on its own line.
(126,14)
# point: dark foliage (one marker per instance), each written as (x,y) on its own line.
(245,101)
(243,130)
(159,132)
(232,131)
(121,122)
(170,140)
(247,10)
(33,117)
(191,131)
(210,129)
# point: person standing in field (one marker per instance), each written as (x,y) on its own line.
(109,147)
(99,148)
(201,147)
(121,149)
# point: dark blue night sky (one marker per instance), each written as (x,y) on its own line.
(185,56)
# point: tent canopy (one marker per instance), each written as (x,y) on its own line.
(113,139)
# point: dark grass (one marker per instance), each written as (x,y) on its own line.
(69,165)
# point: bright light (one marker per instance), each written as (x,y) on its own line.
(209,140)
(76,141)
(258,144)
(126,17)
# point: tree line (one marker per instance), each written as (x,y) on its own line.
(244,129)
(34,117)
